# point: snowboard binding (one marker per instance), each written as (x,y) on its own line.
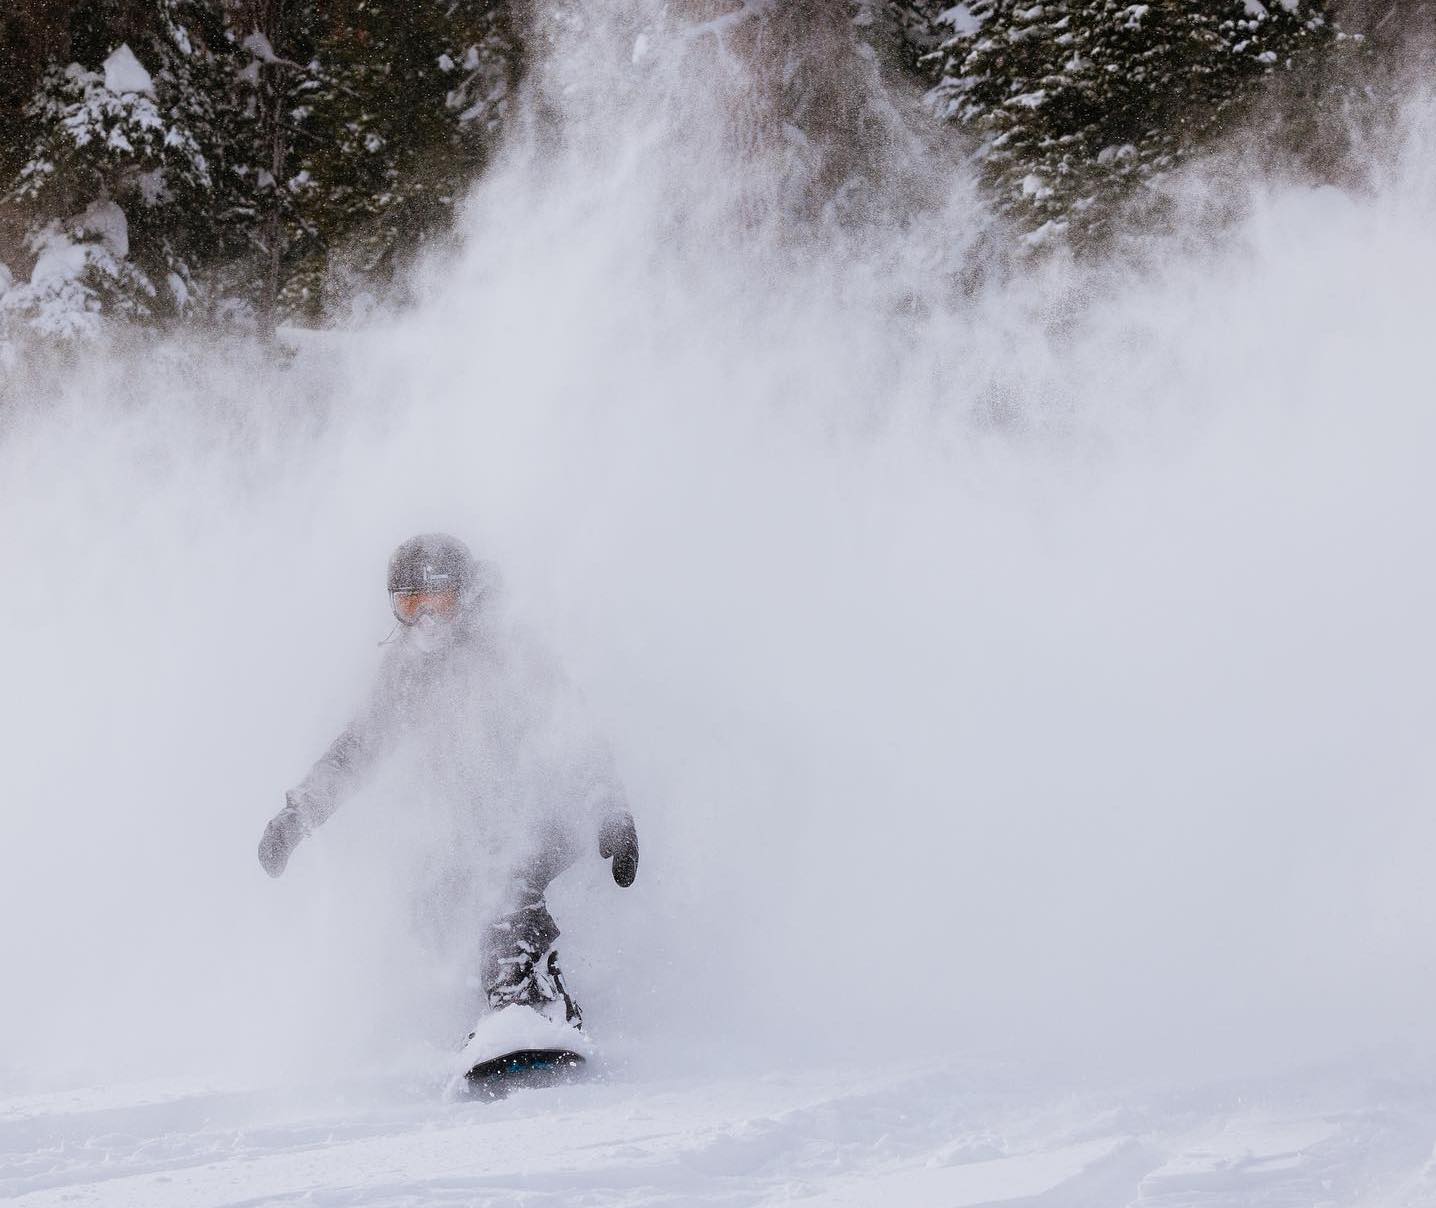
(532,1035)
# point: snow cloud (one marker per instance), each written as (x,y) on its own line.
(1038,667)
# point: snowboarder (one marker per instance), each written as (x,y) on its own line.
(496,727)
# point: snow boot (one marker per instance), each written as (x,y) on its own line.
(532,1034)
(521,965)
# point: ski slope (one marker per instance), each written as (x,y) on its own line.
(951,1136)
(1047,667)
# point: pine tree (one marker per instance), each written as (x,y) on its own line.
(911,25)
(30,37)
(1075,102)
(219,157)
(401,110)
(274,40)
(129,189)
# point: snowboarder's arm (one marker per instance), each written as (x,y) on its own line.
(332,779)
(337,773)
(607,805)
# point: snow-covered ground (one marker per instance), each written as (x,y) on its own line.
(890,1135)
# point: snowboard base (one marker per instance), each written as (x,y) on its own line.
(495,1078)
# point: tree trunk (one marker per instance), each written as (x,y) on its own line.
(274,223)
(266,17)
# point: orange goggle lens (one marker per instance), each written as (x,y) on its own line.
(409,606)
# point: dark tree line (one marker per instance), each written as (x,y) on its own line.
(258,161)
(243,160)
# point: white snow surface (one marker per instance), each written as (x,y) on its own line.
(961,18)
(60,259)
(125,73)
(949,1135)
(105,221)
(259,46)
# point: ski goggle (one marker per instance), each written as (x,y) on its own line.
(409,606)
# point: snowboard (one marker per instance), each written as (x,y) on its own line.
(521,1045)
(523,1069)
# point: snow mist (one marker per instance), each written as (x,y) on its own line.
(1040,667)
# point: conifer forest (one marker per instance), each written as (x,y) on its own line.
(249,163)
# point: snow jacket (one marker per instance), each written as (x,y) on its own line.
(493,725)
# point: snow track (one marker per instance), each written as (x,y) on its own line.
(949,1138)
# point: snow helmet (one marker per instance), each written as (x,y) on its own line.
(432,567)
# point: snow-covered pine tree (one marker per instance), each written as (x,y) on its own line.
(273,40)
(401,111)
(128,187)
(1076,101)
(30,37)
(212,156)
(910,25)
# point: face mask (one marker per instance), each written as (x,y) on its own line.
(430,634)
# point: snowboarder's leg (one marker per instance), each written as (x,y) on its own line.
(532,1033)
(520,964)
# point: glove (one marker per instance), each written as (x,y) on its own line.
(281,837)
(618,840)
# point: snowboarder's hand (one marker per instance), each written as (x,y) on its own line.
(281,837)
(618,840)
